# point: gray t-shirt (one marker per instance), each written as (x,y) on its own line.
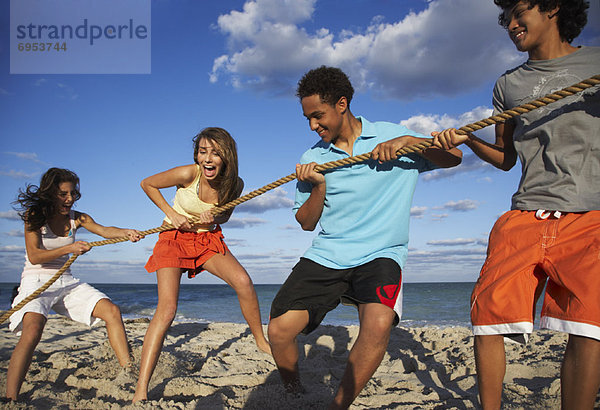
(559,144)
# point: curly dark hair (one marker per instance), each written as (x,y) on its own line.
(572,14)
(225,145)
(329,83)
(37,204)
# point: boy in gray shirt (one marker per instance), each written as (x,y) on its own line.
(551,236)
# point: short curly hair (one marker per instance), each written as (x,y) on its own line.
(329,83)
(572,14)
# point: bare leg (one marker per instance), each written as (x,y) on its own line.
(33,326)
(168,294)
(580,373)
(229,269)
(111,314)
(282,334)
(490,360)
(365,356)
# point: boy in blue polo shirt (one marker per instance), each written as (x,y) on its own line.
(363,211)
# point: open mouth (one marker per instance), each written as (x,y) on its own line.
(209,171)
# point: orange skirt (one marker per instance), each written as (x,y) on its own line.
(186,250)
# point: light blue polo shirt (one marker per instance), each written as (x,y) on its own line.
(367,205)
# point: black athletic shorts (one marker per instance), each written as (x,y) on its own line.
(318,289)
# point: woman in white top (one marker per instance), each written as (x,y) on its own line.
(212,180)
(50,226)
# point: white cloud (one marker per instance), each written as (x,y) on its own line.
(418,211)
(275,199)
(109,264)
(453,242)
(242,25)
(444,265)
(463,205)
(426,123)
(10,215)
(448,253)
(277,259)
(470,163)
(244,222)
(30,156)
(18,174)
(425,54)
(291,228)
(234,243)
(275,264)
(467,259)
(12,249)
(67,92)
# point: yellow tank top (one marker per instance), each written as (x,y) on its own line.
(188,204)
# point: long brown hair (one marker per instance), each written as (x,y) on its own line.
(38,204)
(225,145)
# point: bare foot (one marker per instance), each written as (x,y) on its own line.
(264,346)
(139,397)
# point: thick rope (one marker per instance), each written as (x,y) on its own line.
(421,146)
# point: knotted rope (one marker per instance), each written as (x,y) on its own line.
(421,146)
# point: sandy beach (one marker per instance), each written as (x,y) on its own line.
(217,366)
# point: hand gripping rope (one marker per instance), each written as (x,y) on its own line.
(421,146)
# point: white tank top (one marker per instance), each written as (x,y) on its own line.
(52,241)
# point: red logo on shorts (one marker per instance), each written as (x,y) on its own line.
(388,294)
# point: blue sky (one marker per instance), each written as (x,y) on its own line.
(235,64)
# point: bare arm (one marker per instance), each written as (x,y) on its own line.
(501,154)
(179,176)
(309,213)
(108,232)
(445,158)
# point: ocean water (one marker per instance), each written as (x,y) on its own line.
(424,304)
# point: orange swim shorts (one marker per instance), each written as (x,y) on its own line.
(186,250)
(524,252)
